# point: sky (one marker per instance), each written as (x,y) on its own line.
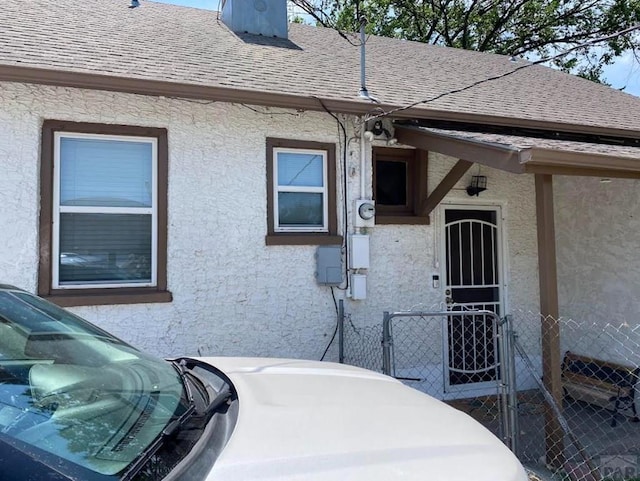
(623,74)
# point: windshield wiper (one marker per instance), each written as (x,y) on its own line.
(218,402)
(181,367)
(205,412)
(224,394)
(170,429)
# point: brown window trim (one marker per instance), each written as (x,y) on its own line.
(417,171)
(86,297)
(286,239)
(298,238)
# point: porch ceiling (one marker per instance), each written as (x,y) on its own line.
(527,155)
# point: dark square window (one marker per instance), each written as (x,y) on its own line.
(391,183)
(400,185)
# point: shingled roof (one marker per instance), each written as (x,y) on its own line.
(163,49)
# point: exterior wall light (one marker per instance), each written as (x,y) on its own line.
(478,184)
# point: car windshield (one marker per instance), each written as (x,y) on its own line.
(74,391)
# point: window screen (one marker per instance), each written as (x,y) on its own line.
(105,209)
(301,190)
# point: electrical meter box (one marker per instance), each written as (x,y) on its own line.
(329,265)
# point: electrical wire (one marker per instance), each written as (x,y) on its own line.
(344,146)
(193,101)
(511,72)
(293,114)
(335,330)
(345,141)
(311,10)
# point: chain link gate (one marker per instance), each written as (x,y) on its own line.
(462,357)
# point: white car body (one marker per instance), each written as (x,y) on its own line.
(312,421)
(79,404)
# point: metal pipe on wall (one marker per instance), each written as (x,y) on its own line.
(363,159)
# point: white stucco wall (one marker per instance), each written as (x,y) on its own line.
(408,256)
(598,248)
(233,295)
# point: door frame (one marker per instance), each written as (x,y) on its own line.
(500,209)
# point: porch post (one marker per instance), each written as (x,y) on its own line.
(549,311)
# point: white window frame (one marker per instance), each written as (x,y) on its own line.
(58,210)
(324,190)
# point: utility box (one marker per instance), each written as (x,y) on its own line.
(329,265)
(359,251)
(358,286)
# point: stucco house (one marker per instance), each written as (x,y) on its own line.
(181,182)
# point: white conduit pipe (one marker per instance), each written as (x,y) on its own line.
(363,159)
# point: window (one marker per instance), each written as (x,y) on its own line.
(301,193)
(400,185)
(103,219)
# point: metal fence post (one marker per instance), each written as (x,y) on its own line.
(341,331)
(386,344)
(512,381)
(503,343)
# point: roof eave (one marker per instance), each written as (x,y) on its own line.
(498,156)
(520,160)
(357,106)
(560,162)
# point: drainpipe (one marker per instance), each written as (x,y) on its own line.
(364,93)
(363,158)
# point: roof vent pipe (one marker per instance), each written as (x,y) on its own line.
(364,93)
(363,59)
(258,17)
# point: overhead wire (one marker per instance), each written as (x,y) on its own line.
(311,10)
(369,117)
(511,72)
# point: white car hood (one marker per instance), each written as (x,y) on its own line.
(312,421)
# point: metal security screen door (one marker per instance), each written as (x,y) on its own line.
(472,245)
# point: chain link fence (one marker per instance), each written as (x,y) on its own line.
(361,345)
(570,413)
(577,416)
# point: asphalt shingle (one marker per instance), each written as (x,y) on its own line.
(191,46)
(523,143)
